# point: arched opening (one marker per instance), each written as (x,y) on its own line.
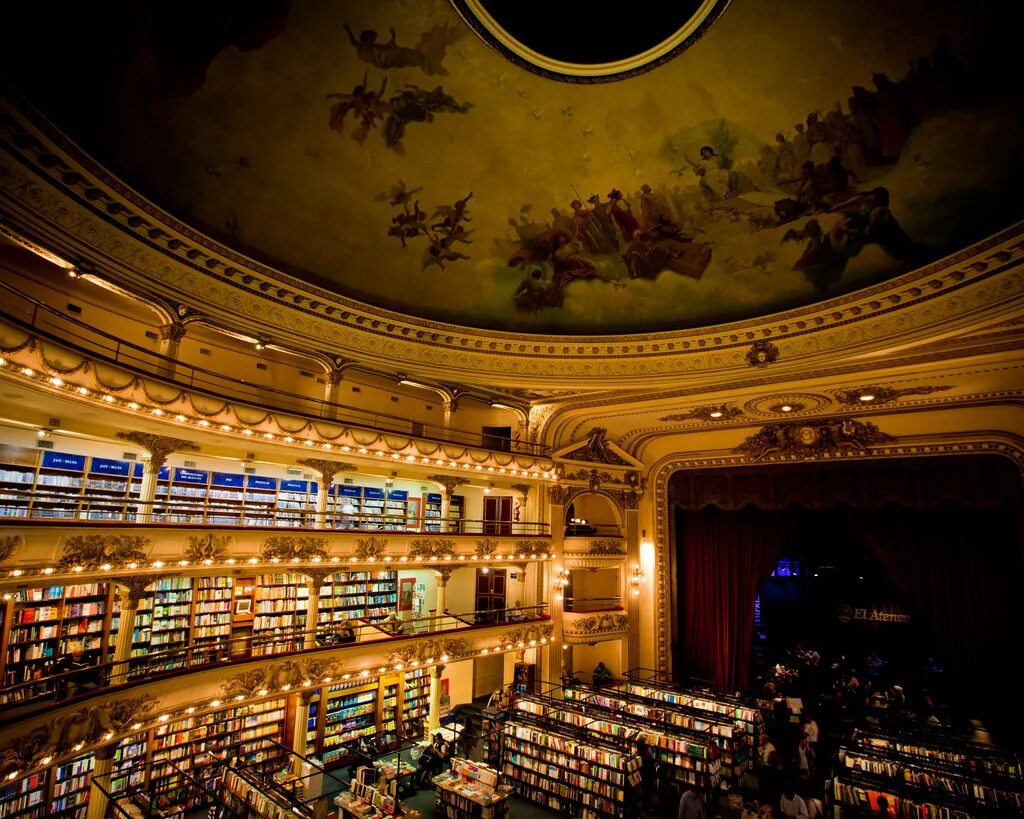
(592,514)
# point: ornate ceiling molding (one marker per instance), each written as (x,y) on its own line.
(52,192)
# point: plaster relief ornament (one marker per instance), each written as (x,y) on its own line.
(371,547)
(289,547)
(207,547)
(812,439)
(94,551)
(429,550)
(762,353)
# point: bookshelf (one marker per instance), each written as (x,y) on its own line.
(363,799)
(249,798)
(28,798)
(372,508)
(925,778)
(415,700)
(685,756)
(367,595)
(746,717)
(70,788)
(211,610)
(470,790)
(552,767)
(348,713)
(396,509)
(390,707)
(44,622)
(719,729)
(128,769)
(432,510)
(281,601)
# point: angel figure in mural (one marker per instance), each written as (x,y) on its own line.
(441,251)
(367,106)
(415,104)
(427,55)
(399,195)
(408,224)
(452,215)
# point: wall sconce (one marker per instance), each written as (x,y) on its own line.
(561,581)
(635,579)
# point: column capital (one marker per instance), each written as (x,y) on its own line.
(449,482)
(316,577)
(131,590)
(174,332)
(327,469)
(444,574)
(523,489)
(437,671)
(158,446)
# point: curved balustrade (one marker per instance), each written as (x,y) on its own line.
(42,693)
(56,506)
(39,319)
(589,604)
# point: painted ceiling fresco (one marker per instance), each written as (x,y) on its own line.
(795,152)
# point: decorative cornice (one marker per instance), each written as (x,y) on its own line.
(449,482)
(762,353)
(207,547)
(294,547)
(432,550)
(606,547)
(327,469)
(876,395)
(525,637)
(712,412)
(812,439)
(528,548)
(370,548)
(96,551)
(158,446)
(69,732)
(591,628)
(445,650)
(274,675)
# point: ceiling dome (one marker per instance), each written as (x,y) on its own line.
(789,154)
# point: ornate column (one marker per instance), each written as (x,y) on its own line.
(327,470)
(450,484)
(170,342)
(630,502)
(315,581)
(332,381)
(434,714)
(558,496)
(130,591)
(443,574)
(300,726)
(102,768)
(524,511)
(159,447)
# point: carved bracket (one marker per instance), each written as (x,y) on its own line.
(158,446)
(94,551)
(327,469)
(449,482)
(289,547)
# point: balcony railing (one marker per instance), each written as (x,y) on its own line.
(81,683)
(39,319)
(593,530)
(28,504)
(585,604)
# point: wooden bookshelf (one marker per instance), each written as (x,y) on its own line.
(470,790)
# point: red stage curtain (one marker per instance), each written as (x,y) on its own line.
(725,556)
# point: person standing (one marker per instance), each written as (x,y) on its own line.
(691,804)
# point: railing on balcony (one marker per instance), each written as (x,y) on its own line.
(38,318)
(41,693)
(588,529)
(27,504)
(587,604)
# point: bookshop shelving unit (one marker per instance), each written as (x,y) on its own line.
(248,797)
(46,621)
(716,728)
(922,777)
(551,765)
(366,595)
(415,700)
(746,717)
(686,756)
(470,790)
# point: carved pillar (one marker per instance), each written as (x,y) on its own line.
(170,343)
(524,512)
(327,470)
(332,383)
(557,497)
(300,726)
(159,447)
(130,591)
(102,768)
(434,715)
(633,636)
(450,484)
(313,583)
(442,574)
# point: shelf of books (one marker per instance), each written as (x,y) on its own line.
(551,764)
(366,595)
(390,707)
(128,769)
(396,509)
(432,510)
(45,623)
(364,800)
(922,778)
(281,602)
(28,798)
(415,701)
(720,729)
(686,756)
(212,610)
(248,797)
(746,717)
(348,712)
(470,790)
(163,620)
(71,787)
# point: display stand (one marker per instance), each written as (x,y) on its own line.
(364,799)
(470,790)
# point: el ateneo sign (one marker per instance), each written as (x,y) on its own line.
(846,613)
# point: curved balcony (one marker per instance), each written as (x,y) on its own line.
(355,644)
(590,628)
(74,338)
(607,552)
